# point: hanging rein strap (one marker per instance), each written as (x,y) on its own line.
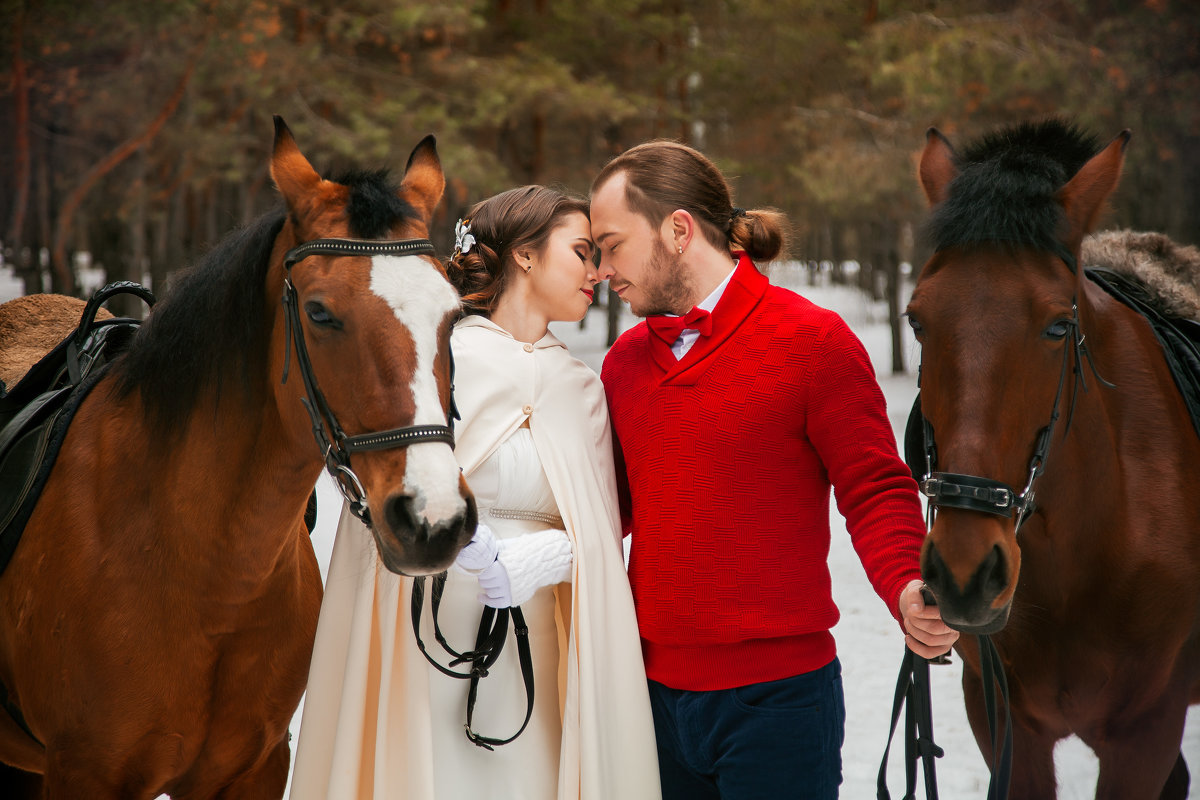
(914,694)
(489,642)
(993,676)
(336,447)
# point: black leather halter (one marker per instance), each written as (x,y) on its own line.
(335,445)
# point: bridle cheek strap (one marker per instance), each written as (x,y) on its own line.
(333,442)
(989,496)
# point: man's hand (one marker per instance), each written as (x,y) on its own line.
(927,635)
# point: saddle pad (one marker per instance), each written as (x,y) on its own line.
(1179,337)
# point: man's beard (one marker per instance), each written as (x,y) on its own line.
(669,288)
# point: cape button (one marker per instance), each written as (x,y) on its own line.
(527,409)
(528,348)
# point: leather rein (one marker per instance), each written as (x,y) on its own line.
(336,447)
(489,642)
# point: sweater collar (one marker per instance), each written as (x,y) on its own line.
(746,287)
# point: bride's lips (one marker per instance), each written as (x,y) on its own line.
(590,294)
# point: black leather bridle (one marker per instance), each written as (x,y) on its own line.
(990,496)
(336,447)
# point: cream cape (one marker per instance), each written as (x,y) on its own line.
(365,731)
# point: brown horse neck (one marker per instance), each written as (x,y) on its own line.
(233,483)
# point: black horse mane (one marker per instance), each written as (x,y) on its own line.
(211,325)
(1006,185)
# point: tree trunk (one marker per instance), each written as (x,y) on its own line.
(613,309)
(21,149)
(45,222)
(128,305)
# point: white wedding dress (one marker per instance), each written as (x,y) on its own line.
(513,498)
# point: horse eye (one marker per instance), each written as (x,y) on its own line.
(1057,330)
(320,315)
(912,323)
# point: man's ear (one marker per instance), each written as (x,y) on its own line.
(680,227)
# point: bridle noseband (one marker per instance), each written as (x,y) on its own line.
(990,496)
(336,447)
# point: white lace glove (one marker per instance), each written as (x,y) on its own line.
(527,563)
(479,553)
(511,570)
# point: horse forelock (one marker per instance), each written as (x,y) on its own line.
(208,330)
(1006,188)
(373,206)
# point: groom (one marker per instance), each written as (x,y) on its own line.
(737,406)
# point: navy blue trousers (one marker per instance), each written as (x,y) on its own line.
(778,739)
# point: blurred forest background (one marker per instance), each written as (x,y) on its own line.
(136,133)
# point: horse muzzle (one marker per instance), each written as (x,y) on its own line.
(408,544)
(982,604)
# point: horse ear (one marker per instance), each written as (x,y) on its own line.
(290,170)
(1084,195)
(424,180)
(937,166)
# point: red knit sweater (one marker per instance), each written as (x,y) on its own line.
(730,454)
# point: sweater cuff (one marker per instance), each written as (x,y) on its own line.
(534,560)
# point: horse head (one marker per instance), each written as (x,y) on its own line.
(997,312)
(368,328)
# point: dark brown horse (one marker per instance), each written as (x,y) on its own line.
(157,618)
(1033,374)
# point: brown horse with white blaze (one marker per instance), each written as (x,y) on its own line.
(157,617)
(1051,401)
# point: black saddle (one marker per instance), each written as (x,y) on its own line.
(34,416)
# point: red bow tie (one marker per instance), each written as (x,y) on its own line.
(669,328)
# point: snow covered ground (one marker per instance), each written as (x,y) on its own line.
(870,644)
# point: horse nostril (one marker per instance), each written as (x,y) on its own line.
(400,516)
(993,573)
(932,567)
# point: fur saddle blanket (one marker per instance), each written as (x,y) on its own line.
(1161,280)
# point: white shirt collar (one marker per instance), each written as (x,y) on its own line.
(688,336)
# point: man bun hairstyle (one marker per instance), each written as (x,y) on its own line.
(513,221)
(662,176)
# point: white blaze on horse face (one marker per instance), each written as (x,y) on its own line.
(421,298)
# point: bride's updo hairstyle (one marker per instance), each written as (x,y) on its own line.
(513,221)
(662,175)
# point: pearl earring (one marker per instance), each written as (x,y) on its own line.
(680,249)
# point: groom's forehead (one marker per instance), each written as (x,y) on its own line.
(611,213)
